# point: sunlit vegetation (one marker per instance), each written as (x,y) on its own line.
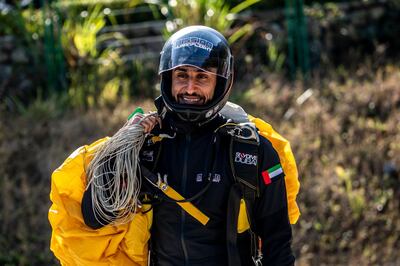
(342,118)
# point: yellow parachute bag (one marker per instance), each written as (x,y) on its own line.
(288,162)
(74,243)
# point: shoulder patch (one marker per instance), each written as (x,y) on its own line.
(271,173)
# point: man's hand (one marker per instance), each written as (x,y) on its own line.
(148,121)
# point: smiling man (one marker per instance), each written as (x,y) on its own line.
(192,85)
(234,179)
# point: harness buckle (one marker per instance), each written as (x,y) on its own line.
(257,259)
(162,184)
(245,131)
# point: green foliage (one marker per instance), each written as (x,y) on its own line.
(97,77)
(83,35)
(276,57)
(217,14)
(356,197)
(21,31)
(27,26)
(45,108)
(24,23)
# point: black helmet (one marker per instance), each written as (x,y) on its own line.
(201,47)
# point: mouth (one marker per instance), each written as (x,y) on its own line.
(191,99)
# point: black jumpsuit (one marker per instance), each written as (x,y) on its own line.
(188,161)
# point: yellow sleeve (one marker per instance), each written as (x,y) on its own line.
(74,243)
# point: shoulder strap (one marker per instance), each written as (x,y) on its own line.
(281,145)
(243,150)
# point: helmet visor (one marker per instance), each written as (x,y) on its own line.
(198,52)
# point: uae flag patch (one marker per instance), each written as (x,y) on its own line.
(271,173)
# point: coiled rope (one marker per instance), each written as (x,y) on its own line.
(114,176)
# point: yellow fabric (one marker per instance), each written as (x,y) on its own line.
(74,243)
(288,162)
(243,221)
(187,206)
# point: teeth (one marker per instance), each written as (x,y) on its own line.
(191,99)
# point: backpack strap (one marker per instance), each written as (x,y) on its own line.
(243,149)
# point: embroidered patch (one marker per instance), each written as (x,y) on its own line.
(271,173)
(241,157)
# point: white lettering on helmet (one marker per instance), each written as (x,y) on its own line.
(193,41)
(245,158)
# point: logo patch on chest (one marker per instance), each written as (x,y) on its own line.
(216,178)
(245,158)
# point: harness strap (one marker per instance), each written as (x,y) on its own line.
(231,225)
(187,206)
(243,149)
(175,196)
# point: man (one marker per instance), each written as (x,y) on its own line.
(196,69)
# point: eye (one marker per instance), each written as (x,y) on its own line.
(202,76)
(181,75)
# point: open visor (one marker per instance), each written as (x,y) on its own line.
(196,52)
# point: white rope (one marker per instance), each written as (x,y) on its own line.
(115,176)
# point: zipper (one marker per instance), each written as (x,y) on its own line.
(183,190)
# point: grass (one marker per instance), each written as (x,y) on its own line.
(344,137)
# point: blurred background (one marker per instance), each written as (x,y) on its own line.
(325,74)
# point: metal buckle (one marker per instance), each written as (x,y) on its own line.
(245,131)
(162,184)
(257,260)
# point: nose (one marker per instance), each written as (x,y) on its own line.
(190,88)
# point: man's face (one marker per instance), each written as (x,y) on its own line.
(191,85)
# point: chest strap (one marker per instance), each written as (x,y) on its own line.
(175,196)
